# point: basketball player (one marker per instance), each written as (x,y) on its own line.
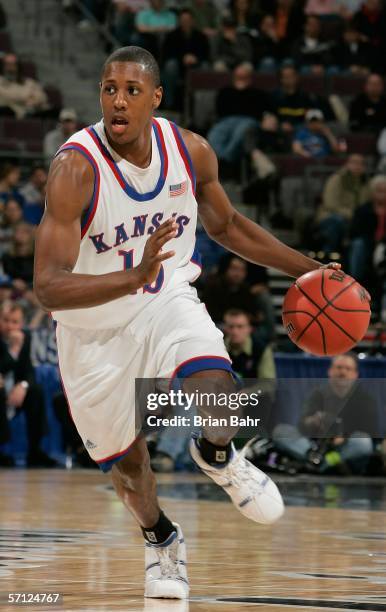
(114,258)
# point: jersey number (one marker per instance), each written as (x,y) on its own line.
(128,257)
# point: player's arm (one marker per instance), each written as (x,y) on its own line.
(69,190)
(231,229)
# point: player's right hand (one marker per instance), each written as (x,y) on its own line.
(153,256)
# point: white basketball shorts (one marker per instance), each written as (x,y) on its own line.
(175,338)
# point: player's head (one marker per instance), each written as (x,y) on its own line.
(237,326)
(130,93)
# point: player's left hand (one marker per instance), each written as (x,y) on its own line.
(333,265)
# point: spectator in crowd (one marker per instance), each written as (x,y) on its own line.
(352,54)
(123,19)
(344,191)
(381,147)
(20,391)
(268,47)
(228,288)
(251,357)
(368,109)
(348,8)
(18,262)
(239,108)
(368,228)
(184,48)
(322,8)
(289,18)
(153,24)
(290,103)
(206,16)
(34,193)
(370,21)
(310,52)
(315,139)
(19,97)
(231,47)
(338,423)
(246,16)
(9,180)
(12,215)
(53,140)
(270,139)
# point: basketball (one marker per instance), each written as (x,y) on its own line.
(326,312)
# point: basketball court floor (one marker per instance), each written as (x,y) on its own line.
(65,532)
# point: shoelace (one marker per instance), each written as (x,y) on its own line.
(168,561)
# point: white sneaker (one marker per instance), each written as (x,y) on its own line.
(253,493)
(165,568)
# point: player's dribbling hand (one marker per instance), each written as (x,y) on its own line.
(153,256)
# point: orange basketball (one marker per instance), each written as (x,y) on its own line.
(326,312)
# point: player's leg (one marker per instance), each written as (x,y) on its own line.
(165,554)
(253,493)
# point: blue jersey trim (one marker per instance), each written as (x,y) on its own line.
(186,155)
(128,189)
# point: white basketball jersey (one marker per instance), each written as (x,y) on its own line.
(127,205)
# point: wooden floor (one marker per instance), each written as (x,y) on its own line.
(66,532)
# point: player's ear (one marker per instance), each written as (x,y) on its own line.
(158,93)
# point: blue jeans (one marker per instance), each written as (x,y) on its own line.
(332,231)
(356,450)
(227,136)
(359,257)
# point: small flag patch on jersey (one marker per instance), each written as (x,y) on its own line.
(178,189)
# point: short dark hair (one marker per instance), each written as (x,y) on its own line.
(352,356)
(237,312)
(136,55)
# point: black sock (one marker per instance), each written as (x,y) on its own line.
(214,454)
(160,532)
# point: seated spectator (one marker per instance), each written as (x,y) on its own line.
(153,23)
(344,191)
(19,261)
(66,127)
(289,19)
(184,48)
(310,52)
(348,8)
(368,109)
(268,47)
(239,108)
(337,426)
(368,228)
(231,47)
(270,139)
(19,97)
(9,180)
(12,215)
(251,357)
(228,288)
(315,139)
(381,148)
(352,54)
(206,16)
(290,103)
(245,16)
(123,19)
(370,21)
(34,193)
(20,391)
(322,8)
